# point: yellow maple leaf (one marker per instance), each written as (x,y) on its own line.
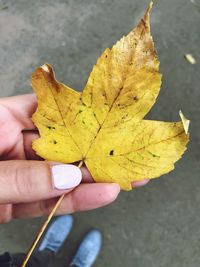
(103,126)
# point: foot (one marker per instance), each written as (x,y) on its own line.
(57,233)
(88,250)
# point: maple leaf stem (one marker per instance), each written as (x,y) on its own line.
(44,226)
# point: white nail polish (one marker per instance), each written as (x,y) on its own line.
(66,176)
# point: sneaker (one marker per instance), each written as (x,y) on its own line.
(57,233)
(88,250)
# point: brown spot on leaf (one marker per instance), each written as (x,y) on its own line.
(51,127)
(111,152)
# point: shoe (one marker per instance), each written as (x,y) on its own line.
(88,250)
(57,233)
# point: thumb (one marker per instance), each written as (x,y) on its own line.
(28,181)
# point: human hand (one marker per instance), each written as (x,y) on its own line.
(28,186)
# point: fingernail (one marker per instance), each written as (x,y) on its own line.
(116,187)
(114,190)
(66,176)
(140,183)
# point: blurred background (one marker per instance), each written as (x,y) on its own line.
(154,226)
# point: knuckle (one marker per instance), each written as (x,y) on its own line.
(23,180)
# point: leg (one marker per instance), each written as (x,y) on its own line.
(38,259)
(51,243)
(6,260)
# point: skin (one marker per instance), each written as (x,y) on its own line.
(26,185)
